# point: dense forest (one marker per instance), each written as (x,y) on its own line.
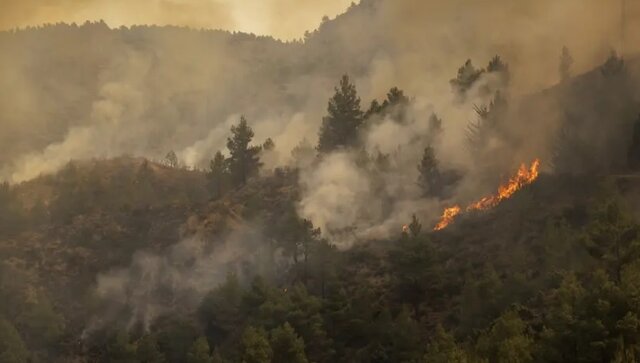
(312,241)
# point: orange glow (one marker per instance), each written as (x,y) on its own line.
(523,177)
(447,218)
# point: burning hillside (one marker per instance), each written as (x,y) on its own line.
(522,178)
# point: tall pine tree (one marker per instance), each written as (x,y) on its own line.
(244,161)
(340,127)
(218,174)
(429,178)
(466,77)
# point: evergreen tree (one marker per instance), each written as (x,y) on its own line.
(612,239)
(220,309)
(375,108)
(254,346)
(244,161)
(298,238)
(322,264)
(415,226)
(429,178)
(506,341)
(490,124)
(566,61)
(199,352)
(268,145)
(218,174)
(416,276)
(171,159)
(340,127)
(394,106)
(287,346)
(497,66)
(396,97)
(614,65)
(435,129)
(443,349)
(467,76)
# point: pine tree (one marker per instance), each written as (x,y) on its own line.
(396,96)
(506,341)
(171,159)
(612,239)
(416,277)
(435,128)
(395,106)
(566,61)
(287,346)
(415,227)
(375,108)
(467,76)
(429,178)
(218,174)
(614,65)
(340,127)
(490,124)
(254,346)
(443,349)
(497,66)
(221,309)
(199,352)
(268,145)
(244,161)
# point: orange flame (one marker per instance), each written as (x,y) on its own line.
(447,218)
(524,177)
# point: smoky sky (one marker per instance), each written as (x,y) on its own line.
(284,19)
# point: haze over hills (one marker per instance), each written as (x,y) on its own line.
(182,195)
(66,90)
(284,19)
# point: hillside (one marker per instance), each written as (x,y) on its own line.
(197,196)
(525,242)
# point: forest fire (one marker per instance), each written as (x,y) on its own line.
(447,217)
(523,177)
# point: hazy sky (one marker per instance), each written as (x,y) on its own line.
(286,19)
